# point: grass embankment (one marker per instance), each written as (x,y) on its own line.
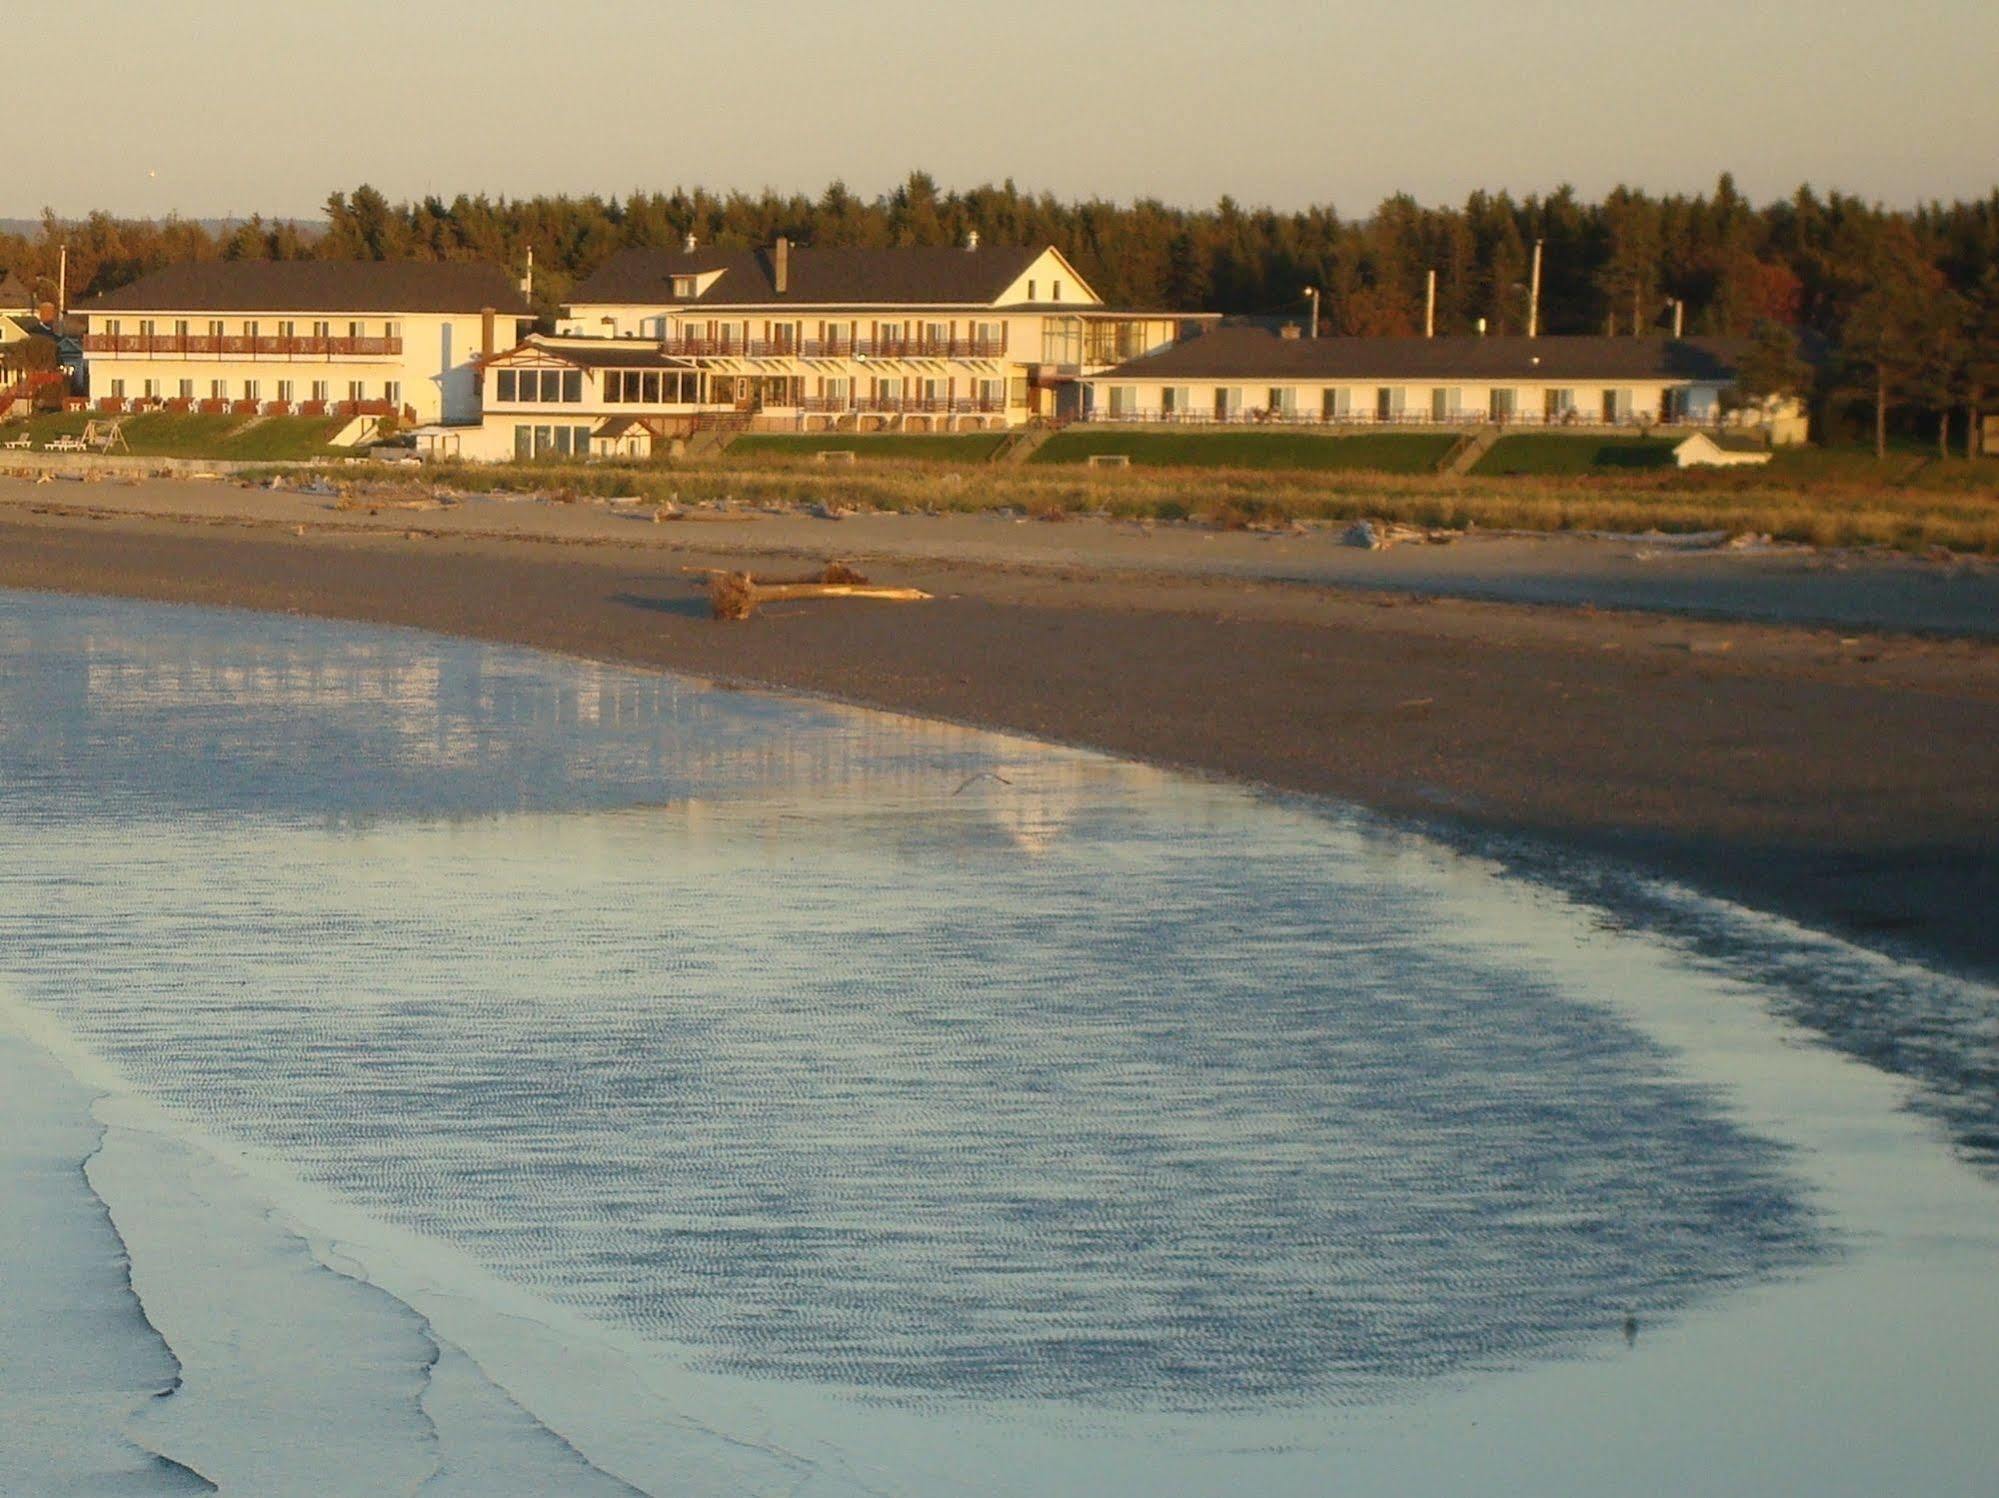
(944,447)
(1546,454)
(1376,452)
(174,434)
(1847,503)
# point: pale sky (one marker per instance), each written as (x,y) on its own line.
(214,107)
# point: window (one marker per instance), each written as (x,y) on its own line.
(614,387)
(319,390)
(1228,401)
(544,441)
(506,387)
(683,287)
(111,327)
(1500,407)
(990,336)
(1558,405)
(562,438)
(1124,400)
(180,327)
(551,386)
(287,330)
(992,395)
(253,390)
(1616,406)
(145,327)
(322,330)
(393,393)
(152,390)
(649,388)
(1388,403)
(1030,290)
(357,330)
(249,330)
(580,438)
(354,392)
(523,442)
(285,391)
(117,390)
(215,327)
(187,390)
(572,386)
(1336,404)
(1445,403)
(218,390)
(1283,400)
(1056,296)
(392,330)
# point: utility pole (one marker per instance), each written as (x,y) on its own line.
(1534,294)
(62,284)
(527,281)
(1430,308)
(1679,318)
(1313,293)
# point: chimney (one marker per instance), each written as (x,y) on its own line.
(1290,332)
(487,316)
(781,265)
(971,239)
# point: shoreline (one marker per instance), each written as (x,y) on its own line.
(1850,782)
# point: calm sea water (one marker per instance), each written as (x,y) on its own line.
(845,1050)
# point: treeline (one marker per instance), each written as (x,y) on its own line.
(1899,309)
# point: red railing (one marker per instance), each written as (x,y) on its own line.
(834,348)
(189,344)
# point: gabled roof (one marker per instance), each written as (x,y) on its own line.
(1250,353)
(14,295)
(914,276)
(380,286)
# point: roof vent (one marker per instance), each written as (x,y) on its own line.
(971,239)
(1290,332)
(690,244)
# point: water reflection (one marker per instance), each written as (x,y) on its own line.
(838,1047)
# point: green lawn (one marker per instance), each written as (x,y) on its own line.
(945,447)
(168,434)
(1379,452)
(1544,453)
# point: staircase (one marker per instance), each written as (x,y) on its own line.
(1464,456)
(1021,445)
(715,430)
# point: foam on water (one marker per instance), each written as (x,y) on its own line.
(809,1062)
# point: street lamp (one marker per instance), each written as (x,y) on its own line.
(1313,293)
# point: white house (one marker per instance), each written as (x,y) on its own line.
(306,336)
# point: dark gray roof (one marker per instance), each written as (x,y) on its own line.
(318,286)
(921,276)
(14,295)
(1248,353)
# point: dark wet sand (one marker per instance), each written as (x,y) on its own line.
(1850,781)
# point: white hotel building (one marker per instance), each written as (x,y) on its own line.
(307,337)
(661,344)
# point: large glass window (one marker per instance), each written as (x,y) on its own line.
(572,386)
(508,386)
(614,387)
(649,387)
(523,442)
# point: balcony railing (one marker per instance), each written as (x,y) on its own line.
(1455,419)
(919,405)
(189,345)
(834,348)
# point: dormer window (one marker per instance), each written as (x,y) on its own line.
(683,288)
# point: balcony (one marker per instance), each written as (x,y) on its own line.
(891,405)
(834,348)
(208,345)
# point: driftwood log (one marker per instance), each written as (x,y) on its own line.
(735,595)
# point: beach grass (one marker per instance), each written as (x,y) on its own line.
(1545,453)
(1844,506)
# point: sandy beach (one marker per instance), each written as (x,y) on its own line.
(1813,735)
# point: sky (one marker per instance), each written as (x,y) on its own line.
(212,108)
